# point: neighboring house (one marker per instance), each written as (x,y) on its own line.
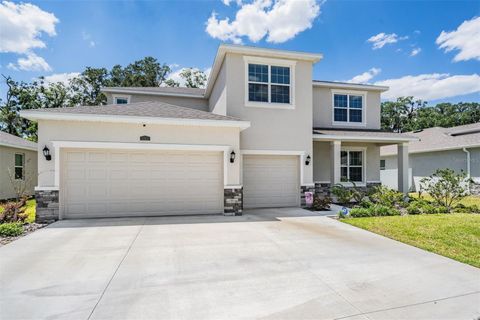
(261,134)
(18,166)
(457,148)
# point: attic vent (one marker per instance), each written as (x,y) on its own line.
(144,138)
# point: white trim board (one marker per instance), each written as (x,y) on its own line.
(330,137)
(35,116)
(151,93)
(2,144)
(138,146)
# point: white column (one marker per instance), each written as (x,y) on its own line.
(402,152)
(335,147)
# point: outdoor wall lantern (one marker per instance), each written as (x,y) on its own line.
(307,161)
(232,157)
(46,153)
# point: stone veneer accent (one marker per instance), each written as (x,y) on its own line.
(304,189)
(324,189)
(47,206)
(233,201)
(475,188)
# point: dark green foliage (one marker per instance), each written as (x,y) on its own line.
(407,114)
(386,197)
(421,206)
(12,229)
(374,211)
(460,208)
(446,187)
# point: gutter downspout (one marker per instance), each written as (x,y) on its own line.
(468,166)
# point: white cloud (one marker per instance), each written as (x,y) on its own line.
(431,86)
(21,26)
(381,39)
(366,76)
(31,62)
(415,51)
(88,38)
(277,20)
(466,39)
(61,77)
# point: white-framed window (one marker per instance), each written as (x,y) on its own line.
(352,165)
(269,83)
(348,107)
(382,164)
(121,99)
(19,166)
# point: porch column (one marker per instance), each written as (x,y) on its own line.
(402,152)
(335,147)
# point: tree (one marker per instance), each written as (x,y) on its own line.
(86,88)
(193,78)
(400,116)
(147,72)
(446,187)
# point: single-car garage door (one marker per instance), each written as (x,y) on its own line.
(116,183)
(270,181)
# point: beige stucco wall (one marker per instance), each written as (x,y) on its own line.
(7,164)
(195,103)
(217,102)
(126,132)
(321,160)
(273,129)
(323,109)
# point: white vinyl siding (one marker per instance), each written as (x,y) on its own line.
(114,183)
(270,181)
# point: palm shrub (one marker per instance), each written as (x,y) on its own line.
(387,197)
(342,193)
(321,203)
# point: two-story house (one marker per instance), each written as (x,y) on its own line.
(261,134)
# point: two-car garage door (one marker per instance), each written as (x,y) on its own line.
(113,183)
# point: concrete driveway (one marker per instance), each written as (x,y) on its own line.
(271,264)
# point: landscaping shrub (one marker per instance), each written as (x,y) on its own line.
(386,197)
(360,212)
(460,208)
(365,203)
(374,211)
(342,193)
(12,229)
(13,212)
(446,187)
(321,203)
(421,206)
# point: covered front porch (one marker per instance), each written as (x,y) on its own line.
(352,157)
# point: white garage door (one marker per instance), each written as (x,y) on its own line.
(114,183)
(270,181)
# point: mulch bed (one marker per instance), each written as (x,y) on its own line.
(27,229)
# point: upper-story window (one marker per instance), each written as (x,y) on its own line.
(269,83)
(121,99)
(348,108)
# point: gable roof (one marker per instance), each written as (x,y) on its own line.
(161,91)
(140,112)
(441,139)
(9,140)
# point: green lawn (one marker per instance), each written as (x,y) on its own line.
(467,201)
(29,209)
(456,236)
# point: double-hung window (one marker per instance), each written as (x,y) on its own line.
(269,83)
(348,108)
(351,165)
(19,166)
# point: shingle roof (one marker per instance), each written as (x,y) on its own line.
(438,139)
(158,90)
(367,134)
(140,109)
(10,140)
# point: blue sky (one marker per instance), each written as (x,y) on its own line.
(104,33)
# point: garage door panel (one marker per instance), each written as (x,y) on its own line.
(105,183)
(271,181)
